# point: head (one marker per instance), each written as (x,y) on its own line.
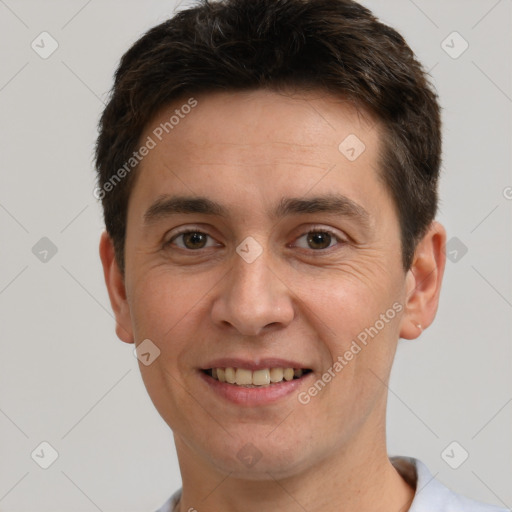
(297,144)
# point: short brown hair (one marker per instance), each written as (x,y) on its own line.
(334,45)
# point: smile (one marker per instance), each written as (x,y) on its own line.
(258,378)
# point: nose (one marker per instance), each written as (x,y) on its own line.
(253,298)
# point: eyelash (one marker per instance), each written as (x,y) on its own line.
(311,231)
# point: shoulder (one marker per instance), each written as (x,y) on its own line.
(432,494)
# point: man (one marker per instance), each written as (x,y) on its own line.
(268,172)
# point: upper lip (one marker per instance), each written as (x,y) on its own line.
(251,364)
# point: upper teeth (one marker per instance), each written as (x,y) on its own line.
(244,377)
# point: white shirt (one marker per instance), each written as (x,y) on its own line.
(430,495)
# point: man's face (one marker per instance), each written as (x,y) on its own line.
(252,284)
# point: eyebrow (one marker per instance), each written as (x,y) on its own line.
(337,204)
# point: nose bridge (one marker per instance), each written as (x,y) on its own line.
(251,279)
(253,297)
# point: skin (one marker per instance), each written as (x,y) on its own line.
(247,150)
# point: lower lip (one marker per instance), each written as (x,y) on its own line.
(253,396)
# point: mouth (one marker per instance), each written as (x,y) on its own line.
(265,377)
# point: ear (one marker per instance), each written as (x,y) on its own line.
(423,282)
(116,289)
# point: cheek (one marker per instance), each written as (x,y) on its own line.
(358,321)
(346,302)
(161,302)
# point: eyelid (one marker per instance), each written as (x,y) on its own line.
(320,228)
(185,229)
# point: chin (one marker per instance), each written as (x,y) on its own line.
(256,458)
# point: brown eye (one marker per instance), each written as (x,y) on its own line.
(319,240)
(191,240)
(195,239)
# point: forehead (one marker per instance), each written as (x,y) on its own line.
(265,142)
(303,120)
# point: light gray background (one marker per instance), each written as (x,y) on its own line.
(64,376)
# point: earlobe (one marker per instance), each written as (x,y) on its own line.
(116,289)
(423,282)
